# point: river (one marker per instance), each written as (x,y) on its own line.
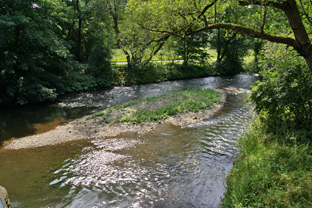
(168,167)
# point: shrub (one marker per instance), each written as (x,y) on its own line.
(284,97)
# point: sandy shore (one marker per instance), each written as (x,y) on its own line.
(86,128)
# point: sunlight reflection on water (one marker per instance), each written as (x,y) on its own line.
(170,167)
(174,168)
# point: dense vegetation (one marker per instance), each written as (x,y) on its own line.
(275,164)
(52,47)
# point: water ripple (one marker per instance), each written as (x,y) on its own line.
(183,168)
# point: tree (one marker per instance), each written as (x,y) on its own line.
(230,47)
(138,45)
(181,18)
(283,98)
(193,47)
(33,59)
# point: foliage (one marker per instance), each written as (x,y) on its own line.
(231,47)
(164,15)
(274,166)
(83,24)
(193,47)
(168,105)
(156,72)
(42,41)
(138,44)
(38,44)
(281,21)
(284,96)
(97,28)
(270,171)
(99,61)
(32,64)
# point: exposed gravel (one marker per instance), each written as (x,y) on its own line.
(86,128)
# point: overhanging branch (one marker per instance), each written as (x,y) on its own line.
(280,4)
(251,32)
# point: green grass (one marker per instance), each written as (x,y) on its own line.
(167,105)
(270,172)
(119,56)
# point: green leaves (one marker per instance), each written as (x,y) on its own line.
(32,55)
(285,93)
(166,16)
(271,171)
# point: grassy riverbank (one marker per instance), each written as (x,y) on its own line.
(272,171)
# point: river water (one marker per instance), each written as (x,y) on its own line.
(168,167)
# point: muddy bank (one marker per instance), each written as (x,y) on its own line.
(86,128)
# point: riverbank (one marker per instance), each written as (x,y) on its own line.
(271,171)
(136,117)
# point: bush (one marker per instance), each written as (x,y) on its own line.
(284,97)
(274,167)
(155,72)
(229,66)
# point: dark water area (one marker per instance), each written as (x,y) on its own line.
(168,167)
(20,121)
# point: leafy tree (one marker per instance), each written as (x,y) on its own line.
(33,58)
(84,24)
(137,44)
(281,21)
(193,47)
(98,40)
(99,62)
(284,97)
(230,47)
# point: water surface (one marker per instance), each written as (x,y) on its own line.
(169,167)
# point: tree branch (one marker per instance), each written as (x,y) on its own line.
(263,20)
(206,8)
(305,12)
(280,4)
(251,32)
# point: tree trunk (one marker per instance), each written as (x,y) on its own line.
(116,29)
(78,48)
(79,41)
(302,42)
(308,59)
